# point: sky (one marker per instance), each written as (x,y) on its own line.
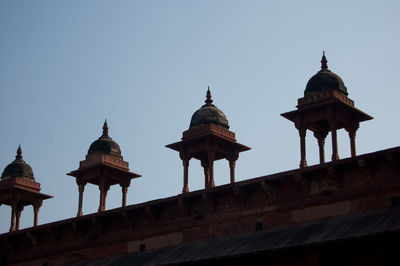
(145,66)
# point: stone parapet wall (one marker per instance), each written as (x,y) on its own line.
(353,185)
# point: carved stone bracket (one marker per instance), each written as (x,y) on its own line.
(269,191)
(210,199)
(393,163)
(32,239)
(96,228)
(125,218)
(184,205)
(74,226)
(328,183)
(153,212)
(242,194)
(303,183)
(10,248)
(197,215)
(366,172)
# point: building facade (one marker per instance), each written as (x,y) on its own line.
(340,212)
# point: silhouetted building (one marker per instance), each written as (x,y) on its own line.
(19,189)
(208,139)
(342,212)
(103,167)
(326,108)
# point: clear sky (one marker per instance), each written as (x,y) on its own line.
(65,66)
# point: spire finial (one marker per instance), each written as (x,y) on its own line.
(324,62)
(19,153)
(208,97)
(105,129)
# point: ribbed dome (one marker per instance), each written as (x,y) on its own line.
(209,114)
(105,144)
(18,168)
(325,80)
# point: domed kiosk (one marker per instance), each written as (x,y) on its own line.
(208,139)
(19,189)
(326,108)
(104,166)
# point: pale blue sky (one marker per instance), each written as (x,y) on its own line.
(65,66)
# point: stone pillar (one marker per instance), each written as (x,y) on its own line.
(205,166)
(185,175)
(13,211)
(211,158)
(335,155)
(124,188)
(303,161)
(321,135)
(19,209)
(232,163)
(102,205)
(35,216)
(124,192)
(81,188)
(232,171)
(332,128)
(36,207)
(352,135)
(103,187)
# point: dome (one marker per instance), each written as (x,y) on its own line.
(325,80)
(18,168)
(209,114)
(105,144)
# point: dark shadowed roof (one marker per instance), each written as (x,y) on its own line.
(344,228)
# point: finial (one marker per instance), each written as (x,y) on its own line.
(105,129)
(19,153)
(324,62)
(208,97)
